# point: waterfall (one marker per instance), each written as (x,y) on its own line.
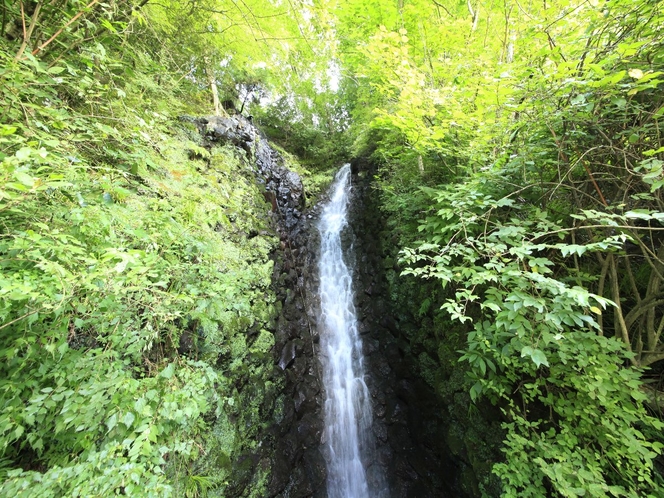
(348,439)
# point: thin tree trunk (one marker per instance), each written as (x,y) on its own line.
(621,326)
(213,87)
(27,35)
(474,13)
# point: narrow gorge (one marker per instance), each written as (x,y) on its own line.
(348,437)
(384,426)
(351,419)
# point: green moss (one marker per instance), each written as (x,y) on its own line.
(264,342)
(238,347)
(224,435)
(428,369)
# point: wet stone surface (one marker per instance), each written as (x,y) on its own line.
(410,450)
(408,421)
(290,445)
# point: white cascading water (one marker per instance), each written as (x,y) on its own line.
(348,415)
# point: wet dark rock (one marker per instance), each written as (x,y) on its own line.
(236,130)
(282,332)
(405,471)
(376,478)
(315,469)
(299,485)
(380,431)
(379,396)
(309,430)
(390,324)
(304,328)
(287,355)
(393,354)
(359,164)
(305,398)
(384,457)
(287,416)
(380,410)
(284,189)
(407,391)
(282,464)
(382,367)
(395,411)
(370,346)
(299,367)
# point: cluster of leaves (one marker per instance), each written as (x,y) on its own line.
(535,348)
(135,270)
(315,133)
(528,137)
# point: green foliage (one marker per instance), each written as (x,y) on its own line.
(247,49)
(534,348)
(597,405)
(527,140)
(135,272)
(134,292)
(315,133)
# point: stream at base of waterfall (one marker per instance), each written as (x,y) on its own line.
(348,439)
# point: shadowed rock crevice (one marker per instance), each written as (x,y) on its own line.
(409,424)
(409,417)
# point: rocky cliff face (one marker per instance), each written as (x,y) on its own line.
(408,415)
(289,445)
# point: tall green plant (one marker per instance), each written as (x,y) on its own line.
(572,407)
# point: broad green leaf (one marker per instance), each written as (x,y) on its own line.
(128,419)
(112,421)
(168,372)
(539,358)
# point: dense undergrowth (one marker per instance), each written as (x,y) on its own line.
(521,173)
(134,304)
(135,295)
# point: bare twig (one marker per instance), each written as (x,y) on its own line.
(441,6)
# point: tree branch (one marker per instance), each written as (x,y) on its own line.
(441,6)
(624,330)
(67,24)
